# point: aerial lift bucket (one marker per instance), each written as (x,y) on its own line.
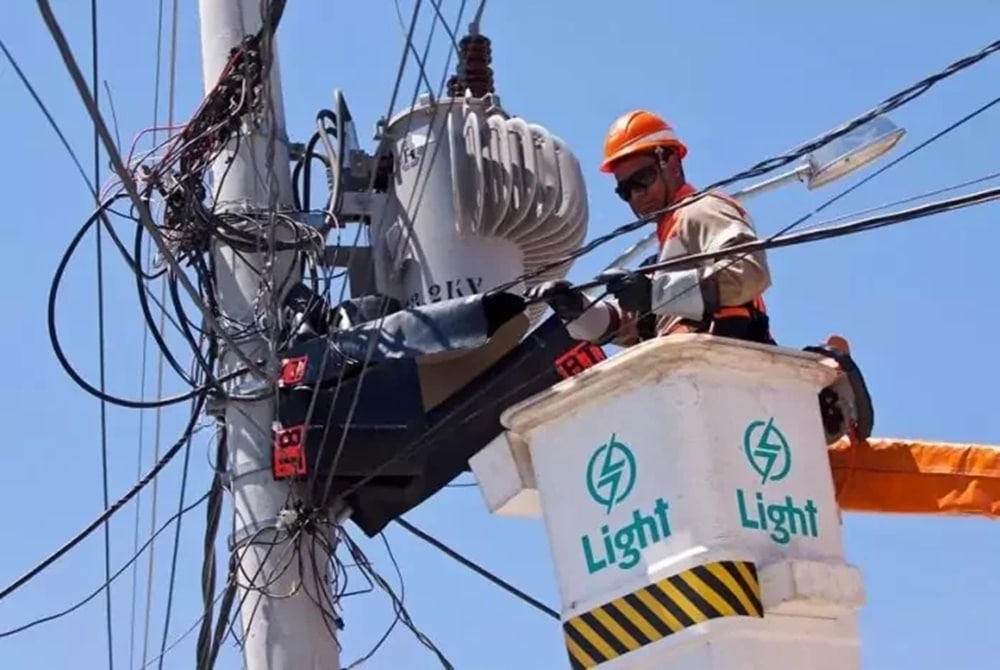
(686,488)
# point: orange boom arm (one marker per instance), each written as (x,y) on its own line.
(912,477)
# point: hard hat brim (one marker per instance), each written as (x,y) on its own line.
(641,147)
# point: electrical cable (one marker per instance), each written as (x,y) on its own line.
(402,61)
(110,511)
(483,398)
(225,610)
(478,569)
(114,114)
(395,91)
(183,636)
(290,548)
(413,49)
(452,35)
(763,167)
(171,582)
(319,571)
(143,371)
(817,234)
(913,198)
(963,205)
(844,131)
(385,305)
(69,60)
(398,613)
(399,608)
(477,17)
(177,276)
(48,115)
(43,108)
(889,104)
(736,258)
(57,346)
(206,369)
(111,578)
(404,616)
(867,224)
(101,353)
(896,161)
(161,656)
(213,516)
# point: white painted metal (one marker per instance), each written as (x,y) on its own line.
(707,474)
(478,199)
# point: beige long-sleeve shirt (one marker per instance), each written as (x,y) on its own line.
(710,223)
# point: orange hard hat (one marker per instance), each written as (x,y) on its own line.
(638,131)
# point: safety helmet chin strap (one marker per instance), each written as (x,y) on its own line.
(661,169)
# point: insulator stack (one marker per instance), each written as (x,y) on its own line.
(473,72)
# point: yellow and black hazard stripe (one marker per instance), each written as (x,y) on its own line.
(705,592)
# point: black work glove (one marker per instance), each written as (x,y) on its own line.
(633,290)
(567,302)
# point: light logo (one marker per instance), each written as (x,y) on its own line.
(781,517)
(767,451)
(611,474)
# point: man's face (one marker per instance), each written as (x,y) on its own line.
(641,183)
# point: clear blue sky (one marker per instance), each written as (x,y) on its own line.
(740,82)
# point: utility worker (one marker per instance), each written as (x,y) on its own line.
(722,298)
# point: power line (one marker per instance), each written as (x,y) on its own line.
(913,198)
(400,521)
(171,88)
(402,615)
(475,567)
(896,161)
(687,261)
(61,355)
(47,114)
(891,103)
(112,509)
(205,646)
(144,368)
(413,49)
(107,584)
(424,161)
(101,354)
(128,182)
(819,233)
(468,406)
(402,61)
(171,583)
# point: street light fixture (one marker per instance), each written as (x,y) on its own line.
(831,162)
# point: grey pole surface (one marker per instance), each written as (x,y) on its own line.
(284,605)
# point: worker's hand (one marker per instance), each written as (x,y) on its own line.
(567,302)
(632,289)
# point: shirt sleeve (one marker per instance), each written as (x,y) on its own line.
(611,323)
(626,328)
(712,224)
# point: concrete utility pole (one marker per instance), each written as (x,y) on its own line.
(282,599)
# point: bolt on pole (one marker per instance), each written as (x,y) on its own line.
(283,585)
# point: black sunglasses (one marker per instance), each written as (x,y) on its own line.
(641,179)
